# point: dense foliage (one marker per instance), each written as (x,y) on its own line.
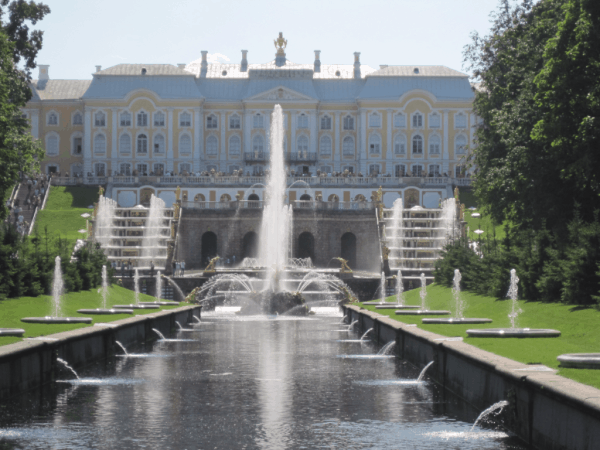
(537,154)
(27,264)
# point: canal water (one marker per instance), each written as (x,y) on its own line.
(249,383)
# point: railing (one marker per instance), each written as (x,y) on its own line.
(332,206)
(256,156)
(302,157)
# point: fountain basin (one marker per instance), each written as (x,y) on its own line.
(456,321)
(513,332)
(12,332)
(421,312)
(160,303)
(136,306)
(376,303)
(105,311)
(580,360)
(53,320)
(397,307)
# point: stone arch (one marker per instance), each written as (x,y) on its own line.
(333,198)
(349,248)
(305,197)
(306,245)
(253,197)
(209,246)
(145,195)
(250,245)
(411,198)
(225,198)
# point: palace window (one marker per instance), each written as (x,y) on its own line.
(125,119)
(326,169)
(460,120)
(417,170)
(77,119)
(212,146)
(125,169)
(52,145)
(348,123)
(77,145)
(142,119)
(435,145)
(399,170)
(142,169)
(212,122)
(258,121)
(302,121)
(325,146)
(258,144)
(100,119)
(399,120)
(185,120)
(375,120)
(460,145)
(417,120)
(125,143)
(185,167)
(234,122)
(400,144)
(417,145)
(374,170)
(159,119)
(235,145)
(52,119)
(325,123)
(159,169)
(460,171)
(375,144)
(434,170)
(99,143)
(185,144)
(434,120)
(142,143)
(348,146)
(100,169)
(159,143)
(302,144)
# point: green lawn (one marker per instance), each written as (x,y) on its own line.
(484,223)
(579,328)
(16,308)
(62,214)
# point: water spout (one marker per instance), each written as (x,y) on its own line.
(160,335)
(382,287)
(399,289)
(176,286)
(196,319)
(352,325)
(64,363)
(136,286)
(57,287)
(496,407)
(459,305)
(422,374)
(158,286)
(104,286)
(387,348)
(513,294)
(122,347)
(423,293)
(366,332)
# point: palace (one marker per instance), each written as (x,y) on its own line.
(148,128)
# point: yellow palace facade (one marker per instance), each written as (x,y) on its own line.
(146,127)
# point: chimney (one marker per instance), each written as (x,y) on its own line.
(383,66)
(317,60)
(204,65)
(356,64)
(181,65)
(43,72)
(244,66)
(98,69)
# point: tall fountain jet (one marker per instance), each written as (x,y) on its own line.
(275,228)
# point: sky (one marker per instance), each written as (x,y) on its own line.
(80,34)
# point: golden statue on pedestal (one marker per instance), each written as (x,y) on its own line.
(211,265)
(178,193)
(280,43)
(385,252)
(345,268)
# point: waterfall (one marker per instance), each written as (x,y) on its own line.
(151,248)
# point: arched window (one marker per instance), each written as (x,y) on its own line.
(185,144)
(125,143)
(400,144)
(235,145)
(399,120)
(185,120)
(99,143)
(302,144)
(142,119)
(302,121)
(100,119)
(52,145)
(77,144)
(417,145)
(375,120)
(435,145)
(434,120)
(325,146)
(348,146)
(325,123)
(142,143)
(125,119)
(159,143)
(258,143)
(348,123)
(375,144)
(159,119)
(234,122)
(417,120)
(211,122)
(77,119)
(460,145)
(52,118)
(212,146)
(258,121)
(460,120)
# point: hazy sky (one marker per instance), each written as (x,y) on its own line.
(80,34)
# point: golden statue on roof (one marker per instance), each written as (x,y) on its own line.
(280,43)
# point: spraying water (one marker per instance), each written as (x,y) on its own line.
(366,332)
(496,407)
(160,335)
(196,319)
(387,348)
(459,304)
(513,294)
(57,287)
(422,374)
(64,363)
(399,288)
(158,286)
(352,325)
(382,287)
(122,347)
(397,235)
(104,220)
(344,318)
(136,286)
(152,247)
(423,292)
(176,286)
(104,286)
(179,325)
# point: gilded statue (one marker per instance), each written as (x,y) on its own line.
(176,211)
(280,43)
(100,191)
(178,193)
(211,265)
(385,252)
(456,193)
(345,268)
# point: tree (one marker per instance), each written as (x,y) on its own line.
(18,151)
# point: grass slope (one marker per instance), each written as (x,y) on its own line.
(62,214)
(578,326)
(16,308)
(467,197)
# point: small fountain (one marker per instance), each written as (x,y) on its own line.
(387,349)
(580,360)
(400,382)
(196,319)
(57,292)
(180,328)
(365,334)
(513,331)
(122,347)
(16,332)
(381,301)
(459,307)
(495,408)
(423,311)
(422,374)
(64,363)
(399,296)
(95,381)
(136,298)
(162,338)
(158,295)
(104,292)
(384,353)
(361,340)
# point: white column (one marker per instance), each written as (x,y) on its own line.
(170,139)
(314,133)
(113,148)
(247,131)
(390,145)
(223,152)
(87,141)
(363,165)
(35,123)
(197,155)
(292,144)
(446,157)
(337,152)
